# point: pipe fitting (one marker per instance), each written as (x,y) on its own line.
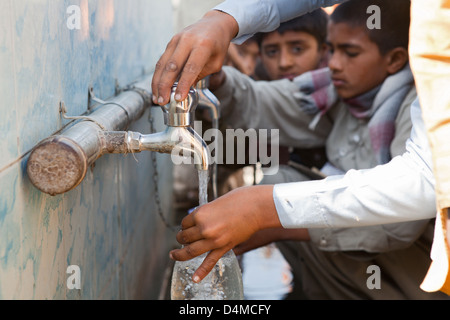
(59,163)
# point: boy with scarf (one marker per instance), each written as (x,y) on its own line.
(358,108)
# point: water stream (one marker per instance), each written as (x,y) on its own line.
(224,282)
(203,179)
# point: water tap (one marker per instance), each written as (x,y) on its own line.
(179,136)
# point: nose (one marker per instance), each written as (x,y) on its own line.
(334,62)
(250,63)
(286,60)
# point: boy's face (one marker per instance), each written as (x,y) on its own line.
(355,61)
(248,53)
(288,55)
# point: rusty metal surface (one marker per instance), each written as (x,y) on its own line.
(114,141)
(57,165)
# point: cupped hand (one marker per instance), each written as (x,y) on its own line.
(194,53)
(219,226)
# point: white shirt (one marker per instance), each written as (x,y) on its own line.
(402,190)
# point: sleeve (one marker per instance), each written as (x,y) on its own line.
(402,190)
(246,104)
(379,238)
(403,124)
(266,15)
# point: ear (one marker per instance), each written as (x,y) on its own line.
(396,59)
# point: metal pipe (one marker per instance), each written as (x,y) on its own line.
(59,163)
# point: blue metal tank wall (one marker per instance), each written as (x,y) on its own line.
(108,226)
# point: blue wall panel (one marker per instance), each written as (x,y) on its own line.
(108,226)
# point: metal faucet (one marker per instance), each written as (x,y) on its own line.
(209,101)
(59,163)
(179,138)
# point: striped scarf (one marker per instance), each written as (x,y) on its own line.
(379,106)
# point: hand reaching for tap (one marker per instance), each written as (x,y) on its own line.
(194,53)
(221,225)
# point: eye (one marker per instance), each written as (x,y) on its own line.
(271,52)
(297,49)
(330,48)
(241,52)
(351,54)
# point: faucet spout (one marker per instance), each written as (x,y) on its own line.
(193,143)
(177,141)
(179,138)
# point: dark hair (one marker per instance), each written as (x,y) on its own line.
(314,23)
(395,21)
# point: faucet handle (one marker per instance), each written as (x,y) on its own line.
(180,113)
(203,83)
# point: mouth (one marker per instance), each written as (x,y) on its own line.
(338,83)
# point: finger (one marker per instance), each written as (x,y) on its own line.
(193,71)
(189,220)
(155,79)
(191,251)
(208,264)
(168,69)
(159,68)
(188,236)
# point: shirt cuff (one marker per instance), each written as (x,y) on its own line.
(290,197)
(252,16)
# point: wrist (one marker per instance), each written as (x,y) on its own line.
(266,213)
(228,24)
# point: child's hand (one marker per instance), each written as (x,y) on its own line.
(216,80)
(196,52)
(221,225)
